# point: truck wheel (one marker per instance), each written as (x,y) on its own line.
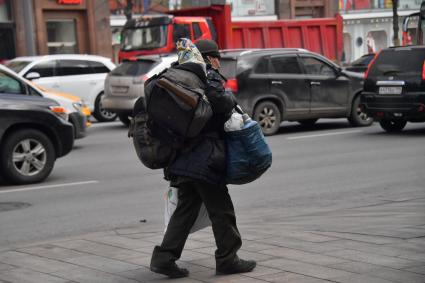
(27,156)
(101,114)
(308,122)
(268,116)
(359,118)
(393,125)
(125,119)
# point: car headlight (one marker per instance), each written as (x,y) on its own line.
(60,111)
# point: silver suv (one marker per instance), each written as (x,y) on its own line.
(125,84)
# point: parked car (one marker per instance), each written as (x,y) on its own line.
(33,132)
(80,75)
(394,89)
(126,82)
(275,85)
(360,65)
(75,108)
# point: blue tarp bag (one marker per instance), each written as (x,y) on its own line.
(248,155)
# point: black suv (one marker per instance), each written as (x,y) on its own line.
(32,136)
(394,88)
(274,85)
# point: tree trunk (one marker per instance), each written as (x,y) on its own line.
(396,40)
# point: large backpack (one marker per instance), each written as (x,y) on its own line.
(172,111)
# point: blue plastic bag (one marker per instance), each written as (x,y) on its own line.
(248,155)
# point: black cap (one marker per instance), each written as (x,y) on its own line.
(208,48)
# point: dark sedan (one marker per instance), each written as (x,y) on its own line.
(275,85)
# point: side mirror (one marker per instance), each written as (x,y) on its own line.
(32,76)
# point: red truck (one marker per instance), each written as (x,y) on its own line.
(157,34)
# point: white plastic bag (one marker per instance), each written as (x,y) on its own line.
(235,122)
(171,199)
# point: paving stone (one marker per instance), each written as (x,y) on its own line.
(356,267)
(298,255)
(146,250)
(141,274)
(21,275)
(179,280)
(99,249)
(300,245)
(360,278)
(207,250)
(141,261)
(102,263)
(289,277)
(306,236)
(254,256)
(260,271)
(414,256)
(387,250)
(398,275)
(119,241)
(320,272)
(52,252)
(417,269)
(4,266)
(372,258)
(193,268)
(188,255)
(86,275)
(360,238)
(253,246)
(205,262)
(193,244)
(234,278)
(32,262)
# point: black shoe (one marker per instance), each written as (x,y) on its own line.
(238,266)
(171,270)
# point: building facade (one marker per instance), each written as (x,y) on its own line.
(368,24)
(39,27)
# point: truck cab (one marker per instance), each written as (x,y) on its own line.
(157,34)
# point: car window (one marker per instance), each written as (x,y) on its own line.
(180,30)
(262,66)
(98,68)
(196,30)
(32,91)
(74,67)
(393,62)
(17,66)
(134,68)
(314,66)
(45,69)
(9,84)
(285,65)
(228,67)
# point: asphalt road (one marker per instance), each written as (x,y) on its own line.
(101,184)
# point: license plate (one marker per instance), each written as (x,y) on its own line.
(390,90)
(120,89)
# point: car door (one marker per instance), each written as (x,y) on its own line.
(48,74)
(329,91)
(288,82)
(75,77)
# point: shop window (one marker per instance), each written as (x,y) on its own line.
(376,40)
(4,11)
(348,48)
(61,37)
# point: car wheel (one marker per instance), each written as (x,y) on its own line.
(308,122)
(101,114)
(125,119)
(268,116)
(393,125)
(358,117)
(27,156)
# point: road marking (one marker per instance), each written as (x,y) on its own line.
(49,186)
(323,135)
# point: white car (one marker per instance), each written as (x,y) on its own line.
(125,84)
(80,75)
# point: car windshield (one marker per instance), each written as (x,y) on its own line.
(149,37)
(17,66)
(392,62)
(363,61)
(134,68)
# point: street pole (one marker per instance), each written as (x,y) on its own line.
(396,40)
(29,27)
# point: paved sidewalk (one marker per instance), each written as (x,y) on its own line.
(376,243)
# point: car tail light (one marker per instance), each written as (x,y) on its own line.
(231,84)
(60,111)
(423,71)
(370,65)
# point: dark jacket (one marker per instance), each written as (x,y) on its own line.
(204,158)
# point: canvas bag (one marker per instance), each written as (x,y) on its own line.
(171,200)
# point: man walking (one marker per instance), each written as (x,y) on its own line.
(199,173)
